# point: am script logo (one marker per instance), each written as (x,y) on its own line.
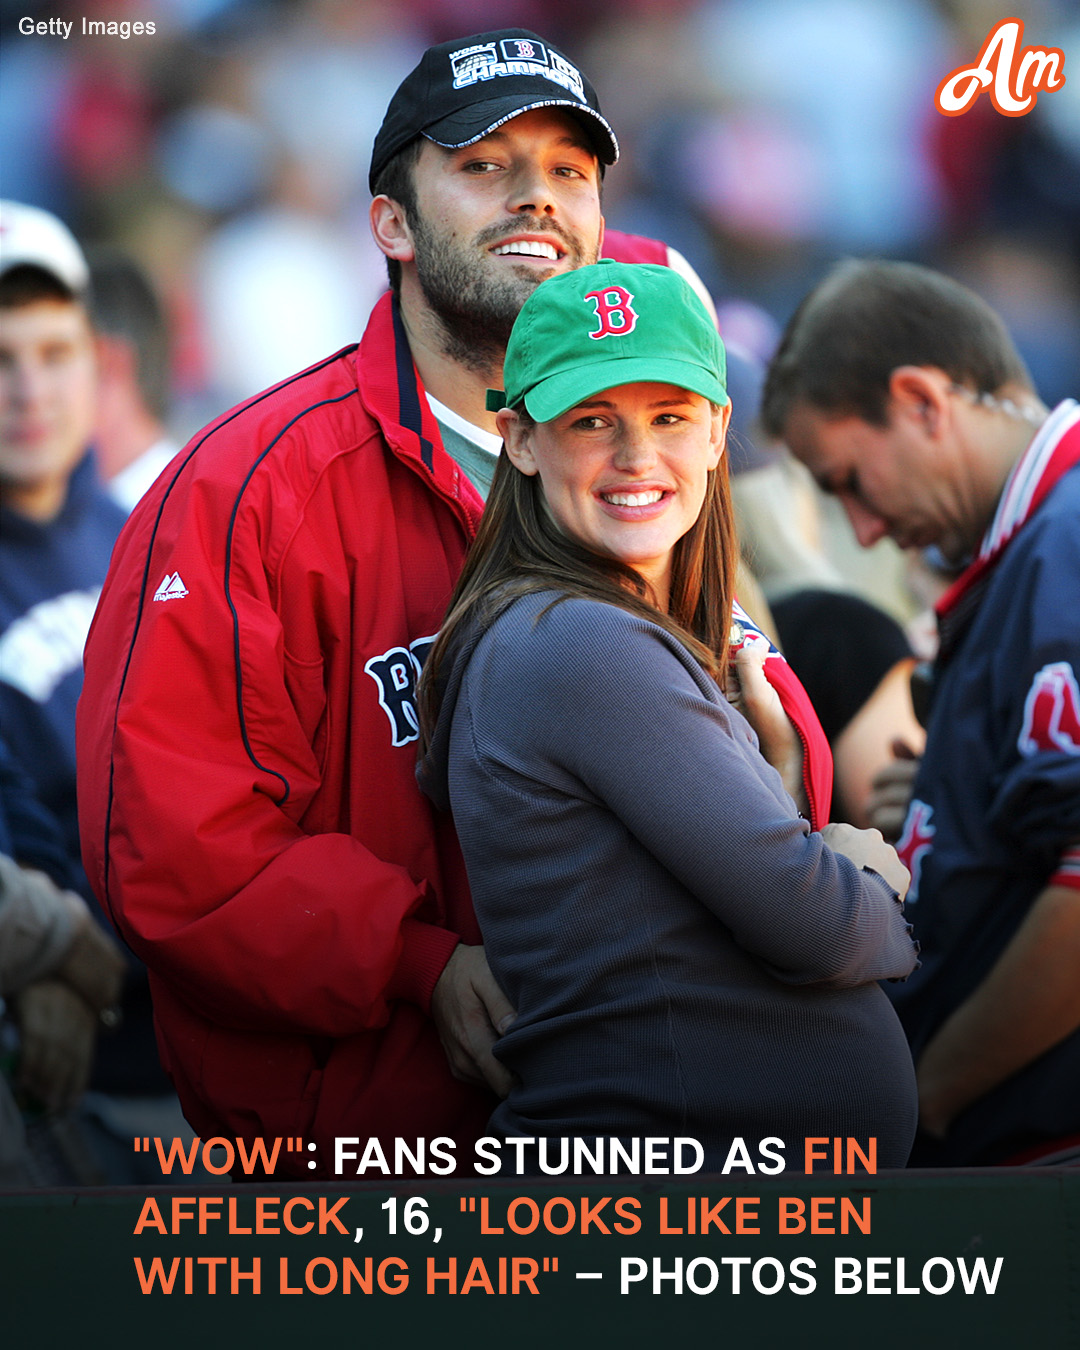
(1012,74)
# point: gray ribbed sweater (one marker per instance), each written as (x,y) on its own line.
(684,955)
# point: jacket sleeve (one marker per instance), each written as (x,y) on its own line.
(1034,693)
(203,744)
(1036,798)
(624,716)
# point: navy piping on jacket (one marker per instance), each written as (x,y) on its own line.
(352,393)
(243,407)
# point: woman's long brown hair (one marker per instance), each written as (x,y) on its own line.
(520,550)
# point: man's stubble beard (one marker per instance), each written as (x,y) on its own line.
(476,310)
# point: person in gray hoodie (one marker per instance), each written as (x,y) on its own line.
(686,957)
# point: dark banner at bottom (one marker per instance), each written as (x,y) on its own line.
(889,1260)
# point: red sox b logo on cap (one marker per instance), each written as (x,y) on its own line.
(614,311)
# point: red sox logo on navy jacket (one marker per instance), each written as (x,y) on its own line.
(915,842)
(395,674)
(1052,712)
(1051,724)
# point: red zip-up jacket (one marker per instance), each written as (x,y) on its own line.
(248,806)
(249,812)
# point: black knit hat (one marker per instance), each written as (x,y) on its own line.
(462,90)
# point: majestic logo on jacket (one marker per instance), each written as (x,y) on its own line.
(171,588)
(916,842)
(1051,712)
(395,674)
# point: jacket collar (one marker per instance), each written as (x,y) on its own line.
(1054,450)
(393,393)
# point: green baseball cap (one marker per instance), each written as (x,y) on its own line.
(602,326)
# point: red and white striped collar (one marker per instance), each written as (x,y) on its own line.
(1053,451)
(1033,475)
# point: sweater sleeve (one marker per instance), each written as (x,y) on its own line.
(621,713)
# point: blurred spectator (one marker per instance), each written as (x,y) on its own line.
(32,97)
(279,288)
(1036,290)
(57,530)
(132,341)
(852,85)
(332,56)
(855,663)
(775,552)
(59,525)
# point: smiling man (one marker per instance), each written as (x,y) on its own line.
(249,810)
(904,395)
(247,734)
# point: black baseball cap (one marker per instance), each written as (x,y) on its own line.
(462,90)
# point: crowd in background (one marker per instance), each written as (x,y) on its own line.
(762,138)
(227,155)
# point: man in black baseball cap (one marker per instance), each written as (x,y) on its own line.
(486,177)
(362,1005)
(464,89)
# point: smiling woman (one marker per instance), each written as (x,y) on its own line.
(685,956)
(625,472)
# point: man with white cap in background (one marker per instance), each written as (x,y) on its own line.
(58,526)
(58,523)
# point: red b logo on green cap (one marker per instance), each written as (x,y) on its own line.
(613,301)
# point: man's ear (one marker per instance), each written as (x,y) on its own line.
(517,437)
(921,394)
(390,229)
